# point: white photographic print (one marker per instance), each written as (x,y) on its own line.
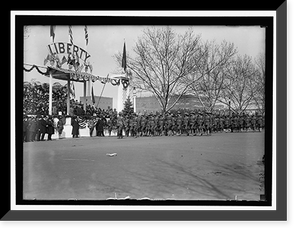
(147,116)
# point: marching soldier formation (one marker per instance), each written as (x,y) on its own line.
(177,123)
(187,123)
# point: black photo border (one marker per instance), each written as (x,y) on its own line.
(171,215)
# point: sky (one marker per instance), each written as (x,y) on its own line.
(106,41)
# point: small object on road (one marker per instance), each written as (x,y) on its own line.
(111,155)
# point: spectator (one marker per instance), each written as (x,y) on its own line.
(50,128)
(60,126)
(42,127)
(75,125)
(100,127)
(32,129)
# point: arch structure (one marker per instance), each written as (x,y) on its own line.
(63,63)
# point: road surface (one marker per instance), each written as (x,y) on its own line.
(217,167)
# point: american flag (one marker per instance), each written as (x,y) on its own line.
(52,33)
(86,35)
(70,34)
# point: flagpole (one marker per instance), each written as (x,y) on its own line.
(85,47)
(50,93)
(84,95)
(52,35)
(68,97)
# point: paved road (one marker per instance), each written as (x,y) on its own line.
(221,166)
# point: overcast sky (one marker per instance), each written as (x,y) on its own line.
(105,41)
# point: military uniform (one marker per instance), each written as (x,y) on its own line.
(91,126)
(186,124)
(126,126)
(156,125)
(134,129)
(161,125)
(120,127)
(193,124)
(109,126)
(168,130)
(143,125)
(199,120)
(179,123)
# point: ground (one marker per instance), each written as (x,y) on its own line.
(217,167)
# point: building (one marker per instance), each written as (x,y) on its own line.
(103,103)
(150,104)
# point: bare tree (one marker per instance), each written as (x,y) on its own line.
(239,84)
(163,59)
(207,82)
(259,97)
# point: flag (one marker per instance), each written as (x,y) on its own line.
(70,34)
(46,60)
(63,60)
(86,35)
(124,58)
(79,68)
(93,97)
(76,62)
(52,33)
(57,60)
(72,91)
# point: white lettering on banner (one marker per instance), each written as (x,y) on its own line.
(68,48)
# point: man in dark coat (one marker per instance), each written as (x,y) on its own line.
(50,127)
(60,126)
(100,127)
(120,126)
(75,125)
(42,128)
(32,127)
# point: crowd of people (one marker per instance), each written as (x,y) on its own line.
(35,128)
(189,123)
(177,122)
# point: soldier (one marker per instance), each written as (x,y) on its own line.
(212,123)
(161,125)
(217,123)
(207,124)
(50,127)
(179,122)
(226,123)
(75,125)
(120,126)
(241,121)
(32,128)
(168,125)
(109,126)
(199,121)
(138,125)
(253,122)
(259,122)
(156,125)
(174,124)
(143,125)
(91,125)
(134,127)
(42,128)
(193,124)
(186,123)
(131,128)
(151,124)
(126,125)
(60,126)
